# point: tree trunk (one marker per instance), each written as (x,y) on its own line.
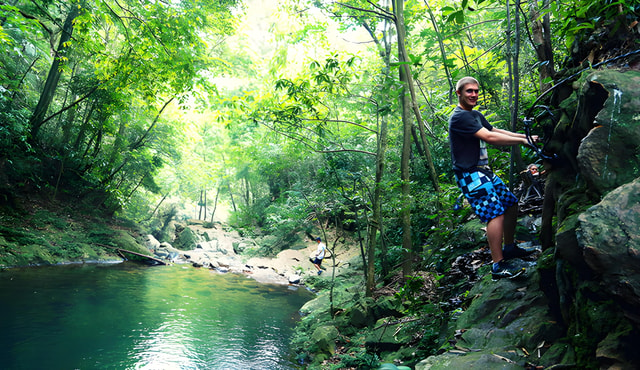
(407,245)
(233,202)
(413,102)
(443,54)
(375,226)
(215,204)
(516,160)
(541,33)
(55,71)
(158,206)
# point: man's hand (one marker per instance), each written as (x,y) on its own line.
(535,139)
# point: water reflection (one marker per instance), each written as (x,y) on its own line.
(128,316)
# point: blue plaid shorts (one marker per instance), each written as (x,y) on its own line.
(488,196)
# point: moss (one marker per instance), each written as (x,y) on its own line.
(45,232)
(593,320)
(186,240)
(546,261)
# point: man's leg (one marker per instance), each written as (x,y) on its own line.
(500,268)
(510,249)
(495,229)
(317,265)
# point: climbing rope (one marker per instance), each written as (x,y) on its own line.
(528,124)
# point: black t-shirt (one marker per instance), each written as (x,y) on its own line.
(467,151)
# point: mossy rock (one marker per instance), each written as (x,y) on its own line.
(323,340)
(558,353)
(356,316)
(317,305)
(389,335)
(467,360)
(386,306)
(186,240)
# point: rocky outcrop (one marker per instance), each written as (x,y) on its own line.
(508,325)
(594,282)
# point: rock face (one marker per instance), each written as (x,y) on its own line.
(593,195)
(507,326)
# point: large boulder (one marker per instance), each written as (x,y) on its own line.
(185,240)
(608,235)
(151,242)
(467,360)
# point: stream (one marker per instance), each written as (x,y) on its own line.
(129,316)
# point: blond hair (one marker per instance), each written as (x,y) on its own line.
(465,81)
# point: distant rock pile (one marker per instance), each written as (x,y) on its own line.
(220,249)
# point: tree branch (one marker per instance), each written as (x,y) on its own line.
(72,104)
(305,141)
(382,14)
(140,141)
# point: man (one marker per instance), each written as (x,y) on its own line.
(319,255)
(491,200)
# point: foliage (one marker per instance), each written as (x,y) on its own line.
(105,90)
(359,359)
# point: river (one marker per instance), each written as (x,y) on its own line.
(129,316)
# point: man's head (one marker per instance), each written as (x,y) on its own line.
(467,91)
(318,239)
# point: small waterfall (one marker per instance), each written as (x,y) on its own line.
(615,112)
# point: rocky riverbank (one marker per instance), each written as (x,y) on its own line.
(217,247)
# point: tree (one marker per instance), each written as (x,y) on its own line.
(116,67)
(55,71)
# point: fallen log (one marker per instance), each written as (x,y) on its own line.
(140,257)
(135,256)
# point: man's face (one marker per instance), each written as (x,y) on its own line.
(468,96)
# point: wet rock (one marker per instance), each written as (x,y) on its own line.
(608,155)
(294,279)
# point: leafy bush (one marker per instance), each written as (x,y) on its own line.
(358,359)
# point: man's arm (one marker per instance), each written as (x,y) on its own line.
(502,137)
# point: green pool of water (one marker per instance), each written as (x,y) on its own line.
(128,316)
